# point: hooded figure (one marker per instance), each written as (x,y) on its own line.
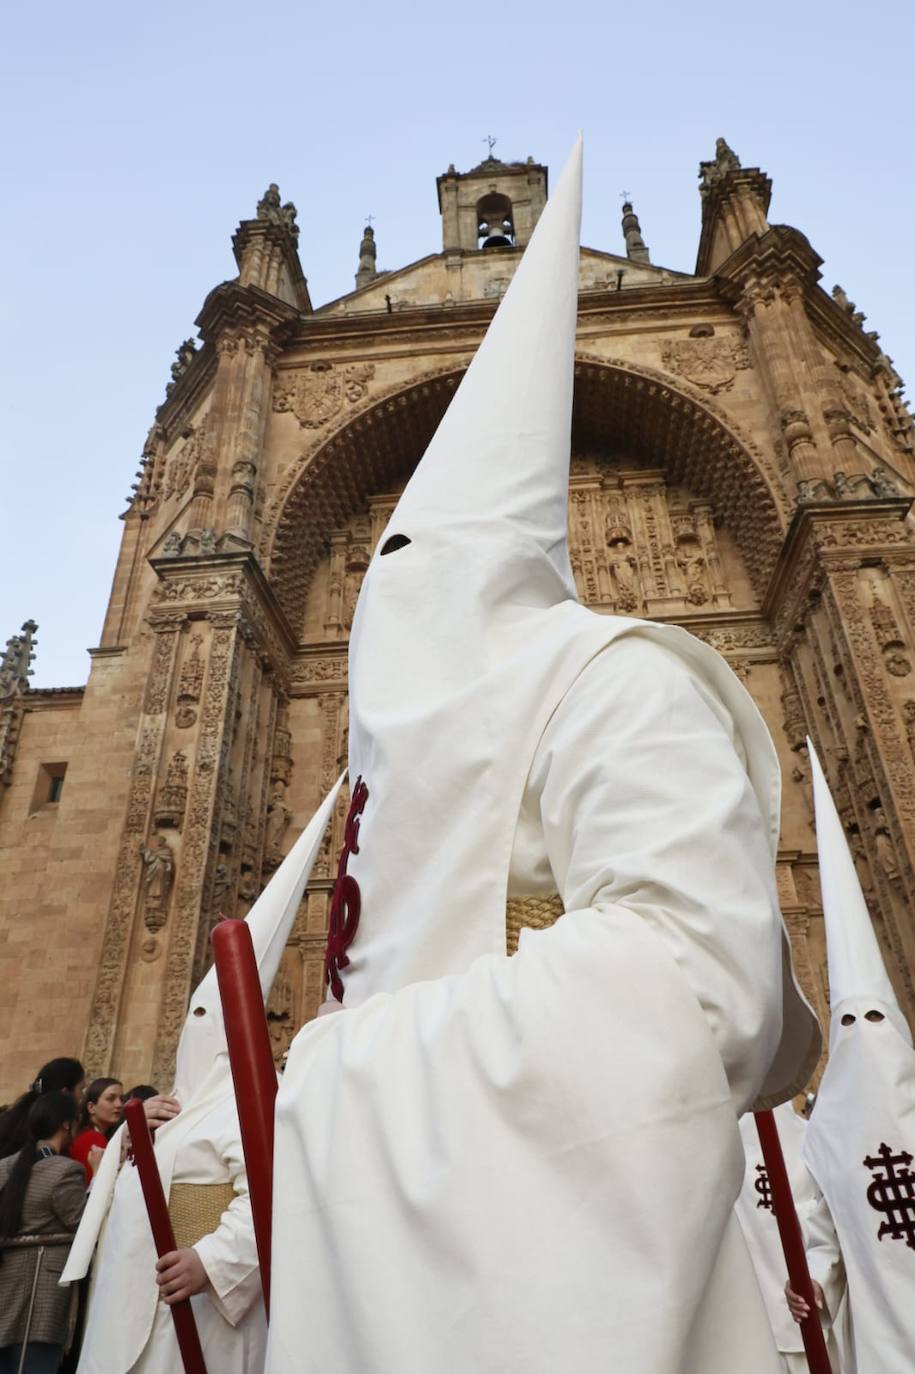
(861,1138)
(489,1163)
(202,1167)
(757,1222)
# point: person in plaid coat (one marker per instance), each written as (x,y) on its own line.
(42,1196)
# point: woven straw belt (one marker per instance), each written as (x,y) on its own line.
(196,1210)
(533,913)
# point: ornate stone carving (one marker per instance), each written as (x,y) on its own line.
(172,798)
(280,1021)
(890,638)
(190,682)
(319,392)
(199,845)
(711,364)
(16,664)
(200,589)
(158,876)
(185,354)
(182,465)
(792,710)
(908,715)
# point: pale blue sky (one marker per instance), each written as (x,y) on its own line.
(136,137)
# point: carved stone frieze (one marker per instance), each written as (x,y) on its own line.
(319,392)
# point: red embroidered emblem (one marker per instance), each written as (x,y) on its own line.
(346,903)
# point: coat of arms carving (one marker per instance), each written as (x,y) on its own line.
(318,393)
(707,362)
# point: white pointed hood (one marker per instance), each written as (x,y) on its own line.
(494,479)
(463,636)
(270,920)
(857,975)
(467,637)
(865,1108)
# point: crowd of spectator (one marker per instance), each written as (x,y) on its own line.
(51,1143)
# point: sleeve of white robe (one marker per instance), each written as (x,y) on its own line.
(824,1257)
(645,803)
(229,1254)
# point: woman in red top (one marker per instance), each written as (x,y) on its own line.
(102,1107)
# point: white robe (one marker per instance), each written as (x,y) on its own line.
(128,1329)
(760,1229)
(866,1100)
(530,1166)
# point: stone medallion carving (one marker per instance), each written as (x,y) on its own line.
(320,392)
(710,363)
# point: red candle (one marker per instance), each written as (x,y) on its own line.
(253,1073)
(789,1230)
(163,1236)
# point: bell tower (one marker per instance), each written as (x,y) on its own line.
(495,205)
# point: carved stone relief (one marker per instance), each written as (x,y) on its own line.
(710,363)
(319,392)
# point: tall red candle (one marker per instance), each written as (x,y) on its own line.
(789,1230)
(163,1236)
(253,1073)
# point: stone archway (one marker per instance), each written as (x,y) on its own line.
(659,424)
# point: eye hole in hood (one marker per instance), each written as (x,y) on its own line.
(396,541)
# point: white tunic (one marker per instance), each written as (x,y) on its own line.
(760,1229)
(128,1328)
(531,1166)
(859,1147)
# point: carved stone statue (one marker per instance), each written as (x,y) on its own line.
(882,484)
(280,1017)
(184,356)
(724,161)
(692,565)
(222,882)
(277,821)
(172,546)
(886,853)
(801,775)
(270,209)
(623,566)
(158,876)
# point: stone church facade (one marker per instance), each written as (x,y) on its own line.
(742,465)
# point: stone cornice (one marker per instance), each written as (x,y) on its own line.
(779,255)
(416,328)
(231,306)
(50,698)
